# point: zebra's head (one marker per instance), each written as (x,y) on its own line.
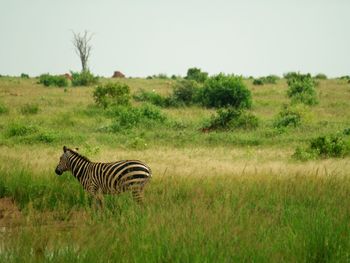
(63,165)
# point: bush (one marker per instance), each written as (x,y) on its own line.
(196,74)
(24,76)
(130,117)
(185,92)
(230,118)
(160,76)
(270,79)
(112,94)
(225,91)
(258,81)
(320,76)
(288,117)
(324,147)
(346,131)
(290,75)
(84,78)
(3,109)
(29,109)
(302,89)
(56,81)
(151,97)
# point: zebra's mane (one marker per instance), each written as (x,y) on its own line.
(78,154)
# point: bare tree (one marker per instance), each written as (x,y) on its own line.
(82,47)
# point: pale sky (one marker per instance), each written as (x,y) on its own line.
(141,38)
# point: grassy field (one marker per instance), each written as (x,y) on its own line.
(235,196)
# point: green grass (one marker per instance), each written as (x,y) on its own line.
(223,196)
(260,218)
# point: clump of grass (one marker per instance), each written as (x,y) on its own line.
(18,129)
(3,109)
(29,109)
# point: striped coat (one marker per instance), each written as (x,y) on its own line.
(106,178)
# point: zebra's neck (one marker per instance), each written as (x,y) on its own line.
(78,165)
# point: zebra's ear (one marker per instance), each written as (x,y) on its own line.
(64,148)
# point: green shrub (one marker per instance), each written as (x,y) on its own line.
(320,76)
(325,147)
(290,75)
(288,117)
(50,80)
(130,117)
(3,109)
(258,81)
(185,92)
(112,94)
(24,76)
(84,78)
(330,146)
(196,74)
(302,89)
(346,131)
(151,97)
(160,76)
(225,91)
(28,109)
(230,118)
(346,77)
(270,79)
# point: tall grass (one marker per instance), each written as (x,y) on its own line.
(294,218)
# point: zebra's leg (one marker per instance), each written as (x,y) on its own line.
(137,194)
(97,197)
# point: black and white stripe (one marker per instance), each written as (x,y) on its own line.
(106,178)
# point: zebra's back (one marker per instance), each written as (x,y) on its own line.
(121,176)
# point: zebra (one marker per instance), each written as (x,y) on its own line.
(105,178)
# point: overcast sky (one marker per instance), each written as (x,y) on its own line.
(140,38)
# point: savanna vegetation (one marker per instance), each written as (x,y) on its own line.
(262,178)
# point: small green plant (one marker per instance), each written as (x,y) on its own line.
(346,131)
(230,118)
(327,146)
(24,76)
(28,109)
(196,74)
(3,109)
(270,79)
(258,82)
(185,92)
(225,91)
(55,81)
(289,116)
(112,94)
(84,78)
(151,97)
(130,117)
(302,89)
